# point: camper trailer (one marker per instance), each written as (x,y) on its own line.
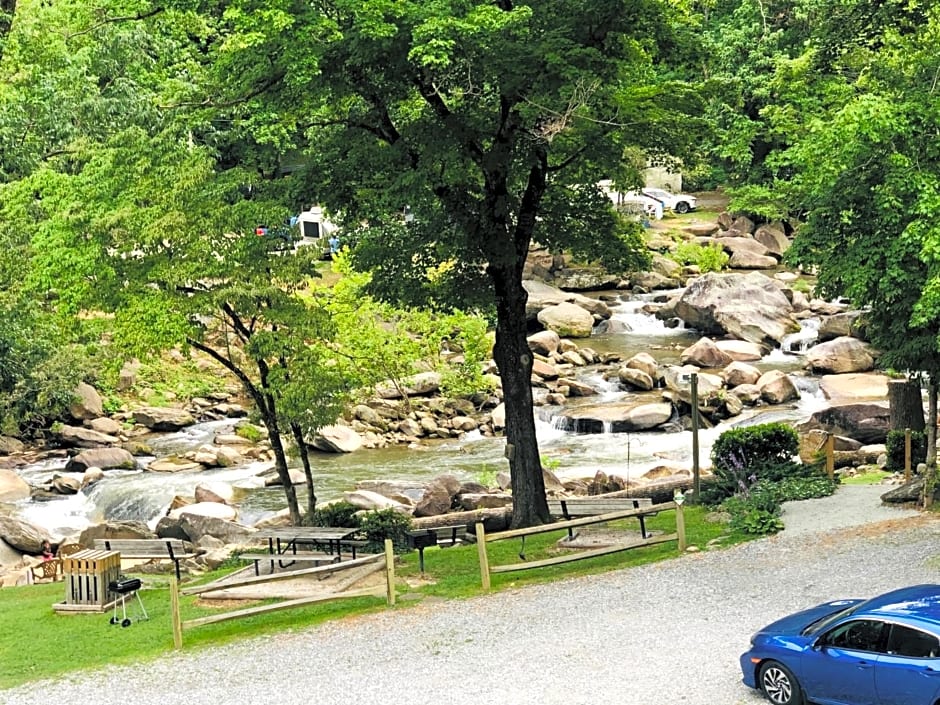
(315,229)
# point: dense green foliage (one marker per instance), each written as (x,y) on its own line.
(341,513)
(381,524)
(755,473)
(710,258)
(894,447)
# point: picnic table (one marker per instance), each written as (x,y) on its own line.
(283,543)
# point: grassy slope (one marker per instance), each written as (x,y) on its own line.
(36,643)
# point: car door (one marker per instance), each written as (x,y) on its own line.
(840,667)
(909,672)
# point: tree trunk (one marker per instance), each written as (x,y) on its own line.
(906,405)
(931,425)
(269,419)
(304,454)
(514,360)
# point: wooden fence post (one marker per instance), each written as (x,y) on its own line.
(390,571)
(175,614)
(831,456)
(907,455)
(484,560)
(680,527)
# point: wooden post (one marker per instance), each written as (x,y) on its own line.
(696,473)
(907,455)
(390,571)
(175,614)
(484,560)
(831,456)
(680,527)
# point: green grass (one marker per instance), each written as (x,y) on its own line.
(866,478)
(36,642)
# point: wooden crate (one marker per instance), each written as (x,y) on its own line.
(87,576)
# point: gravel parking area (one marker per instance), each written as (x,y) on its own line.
(662,634)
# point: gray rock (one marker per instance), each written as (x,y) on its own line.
(104,458)
(567,320)
(840,355)
(746,306)
(865,422)
(10,445)
(12,487)
(22,535)
(197,526)
(87,404)
(79,437)
(163,419)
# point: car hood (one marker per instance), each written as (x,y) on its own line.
(798,621)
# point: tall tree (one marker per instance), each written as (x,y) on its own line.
(489,121)
(869,177)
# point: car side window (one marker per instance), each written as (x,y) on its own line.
(906,641)
(859,635)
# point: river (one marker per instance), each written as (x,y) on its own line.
(142,495)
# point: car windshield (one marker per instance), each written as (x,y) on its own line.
(822,623)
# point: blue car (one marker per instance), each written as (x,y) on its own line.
(882,651)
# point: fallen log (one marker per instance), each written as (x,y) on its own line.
(495,519)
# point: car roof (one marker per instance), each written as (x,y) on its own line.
(918,601)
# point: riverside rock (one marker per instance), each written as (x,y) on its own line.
(12,487)
(163,419)
(80,437)
(567,320)
(22,535)
(104,458)
(619,417)
(844,354)
(865,422)
(746,306)
(87,404)
(704,353)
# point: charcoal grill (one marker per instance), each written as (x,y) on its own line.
(125,587)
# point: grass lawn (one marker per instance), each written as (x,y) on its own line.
(36,642)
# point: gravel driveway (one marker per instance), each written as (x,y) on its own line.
(663,634)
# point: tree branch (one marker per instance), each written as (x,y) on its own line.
(114,20)
(209,103)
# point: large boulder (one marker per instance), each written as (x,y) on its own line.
(114,530)
(635,379)
(644,362)
(776,387)
(12,487)
(104,425)
(865,422)
(10,445)
(740,350)
(81,437)
(418,385)
(364,499)
(22,535)
(197,526)
(843,324)
(740,373)
(746,306)
(336,439)
(438,496)
(173,464)
(87,403)
(568,320)
(206,509)
(843,354)
(773,237)
(163,419)
(704,353)
(545,342)
(854,386)
(214,491)
(104,458)
(617,417)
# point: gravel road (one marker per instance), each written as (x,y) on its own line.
(662,634)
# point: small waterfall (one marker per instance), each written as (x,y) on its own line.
(629,317)
(801,341)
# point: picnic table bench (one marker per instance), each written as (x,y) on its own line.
(572,507)
(169,549)
(442,536)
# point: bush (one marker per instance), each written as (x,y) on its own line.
(894,447)
(708,259)
(750,515)
(742,456)
(342,514)
(385,524)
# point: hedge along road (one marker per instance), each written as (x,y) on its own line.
(656,635)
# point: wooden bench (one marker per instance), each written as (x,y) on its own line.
(285,560)
(572,507)
(170,549)
(443,536)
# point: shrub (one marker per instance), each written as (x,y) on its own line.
(708,259)
(342,514)
(385,524)
(894,447)
(750,515)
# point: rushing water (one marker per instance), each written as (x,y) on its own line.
(141,495)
